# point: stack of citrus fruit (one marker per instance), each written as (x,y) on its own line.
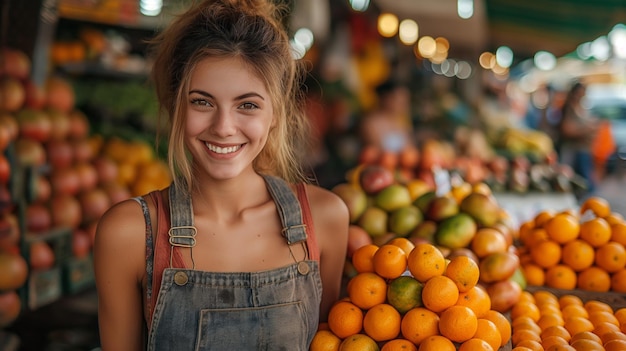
(544,321)
(408,296)
(582,249)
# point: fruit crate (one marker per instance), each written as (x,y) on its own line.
(43,287)
(78,274)
(615,299)
(59,239)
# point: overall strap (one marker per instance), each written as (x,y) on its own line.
(182,231)
(288,206)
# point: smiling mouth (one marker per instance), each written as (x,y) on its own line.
(223,150)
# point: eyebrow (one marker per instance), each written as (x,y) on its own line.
(240,97)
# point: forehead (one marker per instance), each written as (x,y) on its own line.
(225,73)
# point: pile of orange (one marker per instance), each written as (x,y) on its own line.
(409,297)
(545,321)
(571,249)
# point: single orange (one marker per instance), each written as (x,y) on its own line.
(367,290)
(575,325)
(605,328)
(488,240)
(596,231)
(463,271)
(557,330)
(612,335)
(345,319)
(546,253)
(548,341)
(390,261)
(548,320)
(439,293)
(614,217)
(578,254)
(542,217)
(527,325)
(574,311)
(594,279)
(405,244)
(525,309)
(562,228)
(358,342)
(477,299)
(527,296)
(596,305)
(615,345)
(528,345)
(597,205)
(404,293)
(620,314)
(382,322)
(524,230)
(534,274)
(426,261)
(325,340)
(475,344)
(561,277)
(458,323)
(597,317)
(437,343)
(545,296)
(362,258)
(559,347)
(611,257)
(488,331)
(618,232)
(585,335)
(618,281)
(535,236)
(569,299)
(399,345)
(502,323)
(419,324)
(587,345)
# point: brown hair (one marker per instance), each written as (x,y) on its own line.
(253,32)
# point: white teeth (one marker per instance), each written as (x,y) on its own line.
(222,150)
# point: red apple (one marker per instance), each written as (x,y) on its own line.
(60,153)
(65,181)
(79,125)
(61,124)
(30,152)
(94,203)
(34,124)
(9,231)
(14,63)
(35,95)
(12,94)
(9,123)
(374,178)
(81,243)
(59,94)
(65,211)
(38,218)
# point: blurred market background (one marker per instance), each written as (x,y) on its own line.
(486,81)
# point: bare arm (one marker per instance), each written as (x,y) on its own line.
(119,260)
(331,220)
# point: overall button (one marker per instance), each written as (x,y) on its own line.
(181,278)
(303,268)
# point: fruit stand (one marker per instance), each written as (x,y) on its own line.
(506,277)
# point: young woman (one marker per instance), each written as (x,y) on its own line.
(240,252)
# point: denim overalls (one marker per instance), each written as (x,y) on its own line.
(276,309)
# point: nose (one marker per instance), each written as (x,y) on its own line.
(223,123)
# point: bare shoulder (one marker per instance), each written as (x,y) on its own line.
(326,203)
(121,232)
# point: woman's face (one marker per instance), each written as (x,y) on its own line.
(229,116)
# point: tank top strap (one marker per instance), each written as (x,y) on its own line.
(307,218)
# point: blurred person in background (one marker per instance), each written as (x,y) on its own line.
(577,132)
(389,125)
(240,252)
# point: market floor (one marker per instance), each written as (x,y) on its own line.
(70,324)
